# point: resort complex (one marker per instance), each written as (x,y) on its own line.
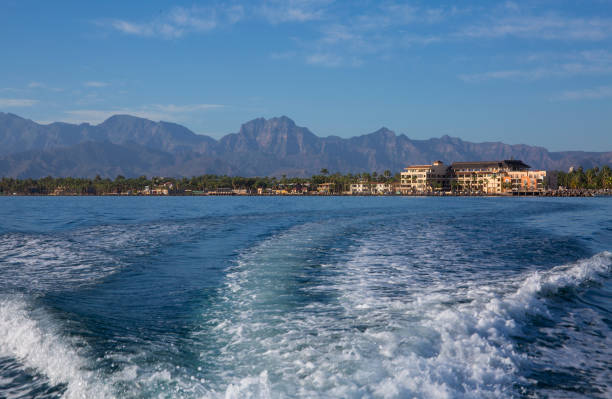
(495,177)
(490,178)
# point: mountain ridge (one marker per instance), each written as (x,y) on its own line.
(134,146)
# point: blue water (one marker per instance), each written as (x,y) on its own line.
(305,297)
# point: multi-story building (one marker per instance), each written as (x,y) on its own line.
(485,177)
(361,188)
(379,188)
(376,188)
(326,188)
(496,177)
(488,177)
(425,178)
(526,180)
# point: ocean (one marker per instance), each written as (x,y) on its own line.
(285,297)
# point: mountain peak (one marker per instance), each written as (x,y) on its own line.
(259,123)
(124,118)
(12,117)
(282,119)
(272,146)
(279,135)
(384,131)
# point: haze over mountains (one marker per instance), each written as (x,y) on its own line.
(132,146)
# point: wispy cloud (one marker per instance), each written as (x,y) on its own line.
(516,74)
(172,108)
(592,62)
(541,27)
(95,116)
(596,93)
(381,32)
(285,55)
(424,40)
(179,22)
(329,60)
(168,112)
(341,37)
(36,85)
(93,83)
(17,102)
(279,11)
(11,90)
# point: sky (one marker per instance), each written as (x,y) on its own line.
(532,72)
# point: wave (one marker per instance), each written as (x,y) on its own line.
(36,344)
(51,262)
(457,339)
(316,312)
(369,328)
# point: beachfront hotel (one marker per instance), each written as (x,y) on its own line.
(364,187)
(488,177)
(425,178)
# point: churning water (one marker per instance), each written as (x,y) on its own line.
(305,297)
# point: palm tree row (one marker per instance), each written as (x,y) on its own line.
(594,178)
(121,184)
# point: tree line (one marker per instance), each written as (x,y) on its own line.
(594,178)
(100,186)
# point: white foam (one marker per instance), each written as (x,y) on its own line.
(387,335)
(384,335)
(44,262)
(475,355)
(36,344)
(41,263)
(249,387)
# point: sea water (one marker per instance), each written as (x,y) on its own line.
(276,297)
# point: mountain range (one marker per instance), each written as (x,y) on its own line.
(130,146)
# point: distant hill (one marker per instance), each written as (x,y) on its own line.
(132,146)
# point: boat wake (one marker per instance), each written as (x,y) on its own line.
(320,310)
(362,327)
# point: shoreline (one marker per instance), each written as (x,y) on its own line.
(555,194)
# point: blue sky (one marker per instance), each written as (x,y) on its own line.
(536,72)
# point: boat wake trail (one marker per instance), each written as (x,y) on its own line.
(359,324)
(338,307)
(34,343)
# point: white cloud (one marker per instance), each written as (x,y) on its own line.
(422,40)
(584,63)
(286,55)
(381,29)
(546,27)
(179,21)
(279,11)
(172,108)
(511,5)
(155,112)
(17,102)
(95,116)
(380,33)
(507,74)
(36,85)
(597,93)
(329,60)
(93,83)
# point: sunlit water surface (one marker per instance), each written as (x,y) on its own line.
(305,297)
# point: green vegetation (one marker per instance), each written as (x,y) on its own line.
(594,178)
(121,185)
